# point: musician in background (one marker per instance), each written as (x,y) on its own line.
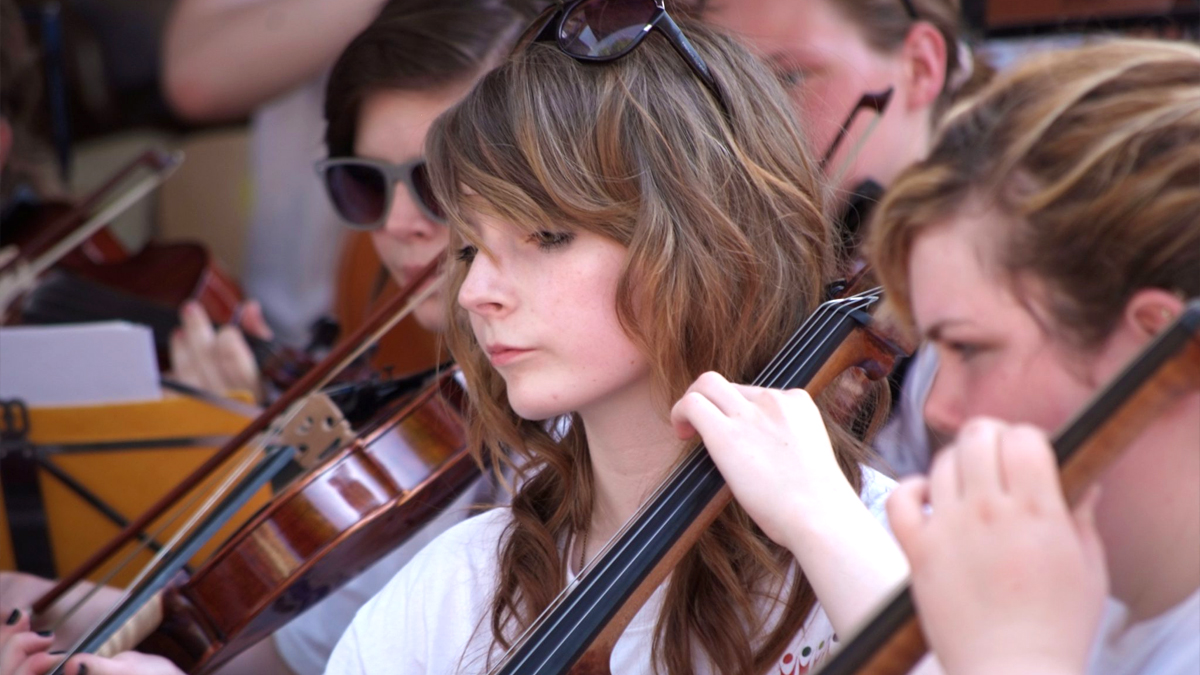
(1051,234)
(226,59)
(828,53)
(411,63)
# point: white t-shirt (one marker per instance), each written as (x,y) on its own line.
(1168,644)
(434,617)
(306,642)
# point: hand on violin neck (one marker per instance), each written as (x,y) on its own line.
(1005,577)
(772,448)
(218,360)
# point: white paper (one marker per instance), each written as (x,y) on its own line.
(78,364)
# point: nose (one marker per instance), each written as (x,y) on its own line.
(406,222)
(484,291)
(943,406)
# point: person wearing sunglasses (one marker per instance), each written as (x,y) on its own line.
(411,63)
(629,210)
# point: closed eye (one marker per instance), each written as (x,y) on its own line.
(466,254)
(546,239)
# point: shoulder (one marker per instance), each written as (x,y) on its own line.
(426,617)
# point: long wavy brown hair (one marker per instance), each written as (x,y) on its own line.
(727,253)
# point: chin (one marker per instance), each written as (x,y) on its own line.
(532,409)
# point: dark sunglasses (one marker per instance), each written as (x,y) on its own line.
(605,30)
(361,189)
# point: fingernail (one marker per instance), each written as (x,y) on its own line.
(58,652)
(82,670)
(13,618)
(45,633)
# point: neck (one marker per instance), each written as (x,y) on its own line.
(1163,547)
(632,448)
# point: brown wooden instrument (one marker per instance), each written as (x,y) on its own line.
(350,349)
(322,531)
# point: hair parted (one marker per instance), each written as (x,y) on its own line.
(728,251)
(419,45)
(1093,152)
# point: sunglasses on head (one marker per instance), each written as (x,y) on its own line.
(361,189)
(597,31)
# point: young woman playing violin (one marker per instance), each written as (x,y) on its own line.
(1053,231)
(413,62)
(622,228)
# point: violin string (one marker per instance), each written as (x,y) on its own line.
(224,481)
(798,346)
(147,571)
(247,463)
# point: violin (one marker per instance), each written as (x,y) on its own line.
(340,518)
(39,236)
(70,269)
(577,633)
(363,495)
(892,642)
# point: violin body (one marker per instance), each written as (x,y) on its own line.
(321,531)
(148,287)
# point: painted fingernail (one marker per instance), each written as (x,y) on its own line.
(13,618)
(45,633)
(82,670)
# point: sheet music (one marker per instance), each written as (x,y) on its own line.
(78,364)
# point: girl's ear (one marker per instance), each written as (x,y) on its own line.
(925,54)
(1147,314)
(1150,311)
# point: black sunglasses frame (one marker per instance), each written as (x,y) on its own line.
(548,27)
(392,174)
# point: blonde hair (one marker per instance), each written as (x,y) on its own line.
(1095,152)
(727,252)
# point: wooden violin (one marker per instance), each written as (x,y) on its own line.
(577,634)
(892,642)
(335,521)
(365,494)
(68,268)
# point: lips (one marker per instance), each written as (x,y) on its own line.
(503,354)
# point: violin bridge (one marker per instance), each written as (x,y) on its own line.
(314,426)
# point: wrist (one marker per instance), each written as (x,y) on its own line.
(819,515)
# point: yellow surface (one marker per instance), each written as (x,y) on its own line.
(129,481)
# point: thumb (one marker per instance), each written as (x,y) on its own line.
(1084,515)
(254,322)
